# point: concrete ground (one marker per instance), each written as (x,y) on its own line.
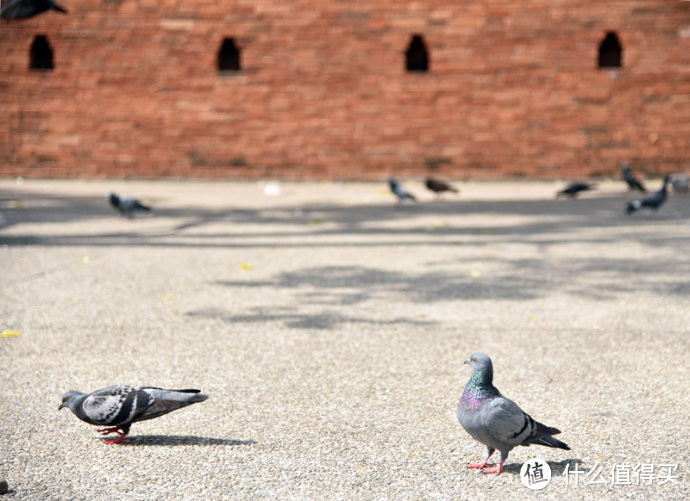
(329,328)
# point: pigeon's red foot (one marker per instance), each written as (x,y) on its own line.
(114,429)
(118,440)
(480,465)
(496,470)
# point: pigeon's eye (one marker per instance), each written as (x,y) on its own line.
(474,359)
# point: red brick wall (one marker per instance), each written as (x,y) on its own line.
(513,89)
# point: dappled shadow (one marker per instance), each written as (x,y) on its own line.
(174,440)
(519,279)
(335,287)
(321,321)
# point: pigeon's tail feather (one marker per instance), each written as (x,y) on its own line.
(140,206)
(632,206)
(542,435)
(192,396)
(549,441)
(56,6)
(542,429)
(188,395)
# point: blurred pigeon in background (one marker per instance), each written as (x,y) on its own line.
(629,177)
(573,189)
(25,9)
(438,186)
(119,406)
(652,202)
(399,190)
(125,205)
(496,421)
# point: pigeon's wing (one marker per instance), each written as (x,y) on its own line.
(506,422)
(110,406)
(57,6)
(164,401)
(127,203)
(25,9)
(654,201)
(17,9)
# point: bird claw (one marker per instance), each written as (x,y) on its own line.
(118,440)
(497,470)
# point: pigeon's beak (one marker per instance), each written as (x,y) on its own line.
(466,362)
(63,404)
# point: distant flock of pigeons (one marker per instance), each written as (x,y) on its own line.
(128,207)
(680,183)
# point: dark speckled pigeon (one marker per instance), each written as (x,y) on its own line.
(496,421)
(438,186)
(25,9)
(121,405)
(125,205)
(573,189)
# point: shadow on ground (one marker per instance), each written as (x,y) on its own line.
(321,321)
(173,440)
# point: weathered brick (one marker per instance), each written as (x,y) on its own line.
(513,90)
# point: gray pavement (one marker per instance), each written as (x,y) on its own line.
(329,328)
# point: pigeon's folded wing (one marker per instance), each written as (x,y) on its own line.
(163,401)
(506,422)
(105,406)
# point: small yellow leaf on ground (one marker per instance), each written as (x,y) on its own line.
(9,333)
(475,273)
(533,319)
(169,297)
(246,266)
(441,224)
(84,260)
(15,204)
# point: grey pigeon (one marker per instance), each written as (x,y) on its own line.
(573,189)
(629,177)
(119,406)
(496,421)
(653,201)
(125,205)
(438,186)
(25,9)
(680,183)
(399,190)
